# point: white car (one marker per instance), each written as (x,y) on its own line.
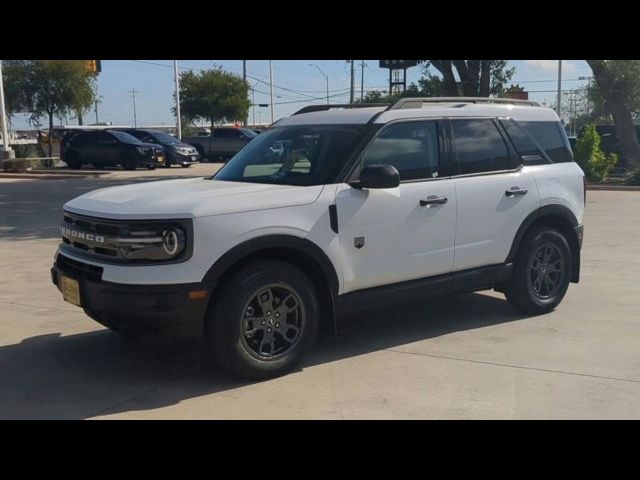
(328,211)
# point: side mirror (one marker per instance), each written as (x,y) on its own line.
(378,176)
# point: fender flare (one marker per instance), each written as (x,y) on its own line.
(546,211)
(266,242)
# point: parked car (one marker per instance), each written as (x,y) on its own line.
(110,148)
(328,212)
(222,144)
(176,152)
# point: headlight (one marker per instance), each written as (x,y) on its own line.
(155,243)
(183,150)
(142,150)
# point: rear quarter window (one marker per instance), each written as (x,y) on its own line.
(532,137)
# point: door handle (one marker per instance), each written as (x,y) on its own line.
(433,200)
(515,191)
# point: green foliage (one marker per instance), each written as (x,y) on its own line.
(20,165)
(213,95)
(634,179)
(49,87)
(25,151)
(595,164)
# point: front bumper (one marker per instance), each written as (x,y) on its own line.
(184,159)
(136,309)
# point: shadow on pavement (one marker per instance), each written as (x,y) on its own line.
(96,373)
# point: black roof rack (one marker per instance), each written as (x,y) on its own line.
(417,102)
(320,108)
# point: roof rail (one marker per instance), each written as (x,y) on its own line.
(320,108)
(417,102)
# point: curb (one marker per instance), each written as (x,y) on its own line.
(44,176)
(613,188)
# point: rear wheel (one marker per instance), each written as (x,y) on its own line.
(263,320)
(542,272)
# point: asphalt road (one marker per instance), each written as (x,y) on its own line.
(469,356)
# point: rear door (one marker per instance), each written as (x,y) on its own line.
(494,193)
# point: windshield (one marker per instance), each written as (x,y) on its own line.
(163,137)
(295,155)
(124,137)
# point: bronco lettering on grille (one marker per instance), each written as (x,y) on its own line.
(67,232)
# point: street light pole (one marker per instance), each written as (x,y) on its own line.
(271,86)
(559,86)
(244,78)
(3,117)
(326,78)
(361,80)
(177,85)
(135,119)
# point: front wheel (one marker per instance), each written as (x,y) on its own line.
(542,272)
(129,162)
(263,320)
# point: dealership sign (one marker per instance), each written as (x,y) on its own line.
(398,64)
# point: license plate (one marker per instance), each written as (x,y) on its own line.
(193,158)
(160,159)
(71,290)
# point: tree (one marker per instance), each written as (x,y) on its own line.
(478,78)
(214,95)
(49,87)
(618,82)
(591,158)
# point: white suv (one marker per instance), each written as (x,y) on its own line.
(331,210)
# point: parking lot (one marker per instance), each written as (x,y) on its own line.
(469,356)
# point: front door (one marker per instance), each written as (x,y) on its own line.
(404,233)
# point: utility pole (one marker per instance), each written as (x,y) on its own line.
(361,80)
(271,87)
(7,152)
(96,108)
(253,104)
(559,87)
(244,78)
(133,95)
(353,80)
(176,79)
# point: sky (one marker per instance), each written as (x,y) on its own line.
(296,84)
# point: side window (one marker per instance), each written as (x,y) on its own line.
(105,138)
(526,146)
(223,133)
(552,138)
(411,147)
(478,146)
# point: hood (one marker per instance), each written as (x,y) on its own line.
(191,197)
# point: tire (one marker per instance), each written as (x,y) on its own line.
(129,161)
(245,347)
(200,150)
(73,161)
(542,272)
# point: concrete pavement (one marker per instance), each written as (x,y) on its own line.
(468,356)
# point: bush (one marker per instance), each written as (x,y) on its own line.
(27,151)
(595,164)
(19,165)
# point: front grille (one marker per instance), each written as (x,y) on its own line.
(79,269)
(97,228)
(112,241)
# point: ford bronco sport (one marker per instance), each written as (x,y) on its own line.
(330,210)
